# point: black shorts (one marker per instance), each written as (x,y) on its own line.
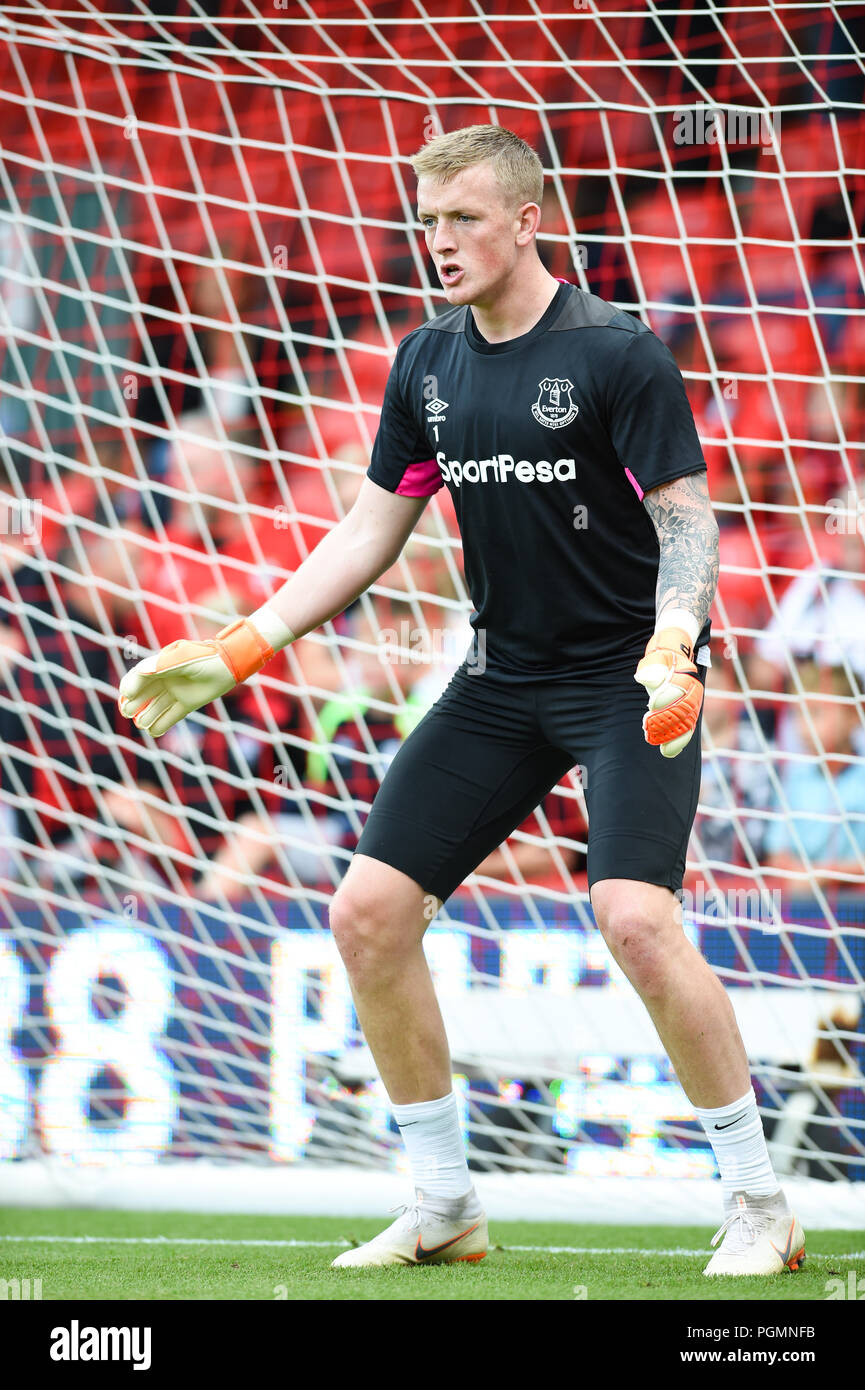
(489,750)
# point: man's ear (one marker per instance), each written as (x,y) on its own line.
(528,217)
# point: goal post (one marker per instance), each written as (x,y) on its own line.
(208,254)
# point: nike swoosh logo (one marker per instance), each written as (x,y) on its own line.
(786,1255)
(421,1254)
(732,1122)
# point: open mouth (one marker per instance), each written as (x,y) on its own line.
(450,274)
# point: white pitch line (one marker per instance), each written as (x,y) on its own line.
(170,1240)
(634,1250)
(328,1244)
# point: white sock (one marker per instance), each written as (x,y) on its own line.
(736,1135)
(435,1147)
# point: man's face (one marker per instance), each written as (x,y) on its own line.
(471,232)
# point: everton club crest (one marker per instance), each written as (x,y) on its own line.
(554,407)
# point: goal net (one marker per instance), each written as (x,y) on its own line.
(208,253)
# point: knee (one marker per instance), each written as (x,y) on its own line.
(642,940)
(353,917)
(364,929)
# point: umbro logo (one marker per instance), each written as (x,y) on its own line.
(435,411)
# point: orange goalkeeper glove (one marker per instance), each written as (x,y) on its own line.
(163,689)
(675,690)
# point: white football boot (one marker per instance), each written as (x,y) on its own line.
(451,1231)
(761,1236)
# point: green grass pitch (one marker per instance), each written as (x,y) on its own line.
(156,1256)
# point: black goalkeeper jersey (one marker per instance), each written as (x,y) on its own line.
(547,444)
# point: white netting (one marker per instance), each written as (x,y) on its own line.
(208,253)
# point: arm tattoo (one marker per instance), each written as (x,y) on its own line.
(688,536)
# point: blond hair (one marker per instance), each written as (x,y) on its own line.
(516,166)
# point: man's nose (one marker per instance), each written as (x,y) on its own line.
(444,239)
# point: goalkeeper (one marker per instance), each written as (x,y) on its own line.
(562,430)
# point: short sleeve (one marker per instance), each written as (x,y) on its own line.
(401,460)
(649,415)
